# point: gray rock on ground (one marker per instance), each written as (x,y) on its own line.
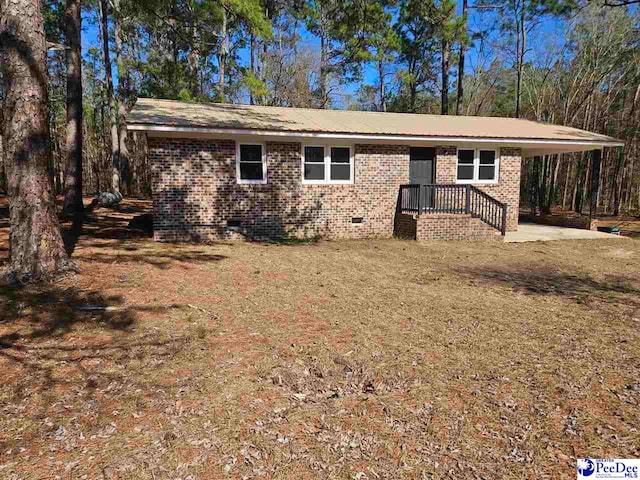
(108,199)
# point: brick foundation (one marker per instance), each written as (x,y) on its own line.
(444,227)
(405,226)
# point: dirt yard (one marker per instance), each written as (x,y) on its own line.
(351,360)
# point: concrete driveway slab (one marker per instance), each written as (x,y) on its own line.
(531,232)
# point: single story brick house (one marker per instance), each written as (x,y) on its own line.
(224,171)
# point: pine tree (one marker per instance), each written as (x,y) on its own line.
(74,136)
(36,248)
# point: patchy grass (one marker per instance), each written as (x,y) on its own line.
(368,359)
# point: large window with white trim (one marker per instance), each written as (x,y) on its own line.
(251,165)
(477,166)
(327,164)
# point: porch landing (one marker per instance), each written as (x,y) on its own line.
(531,232)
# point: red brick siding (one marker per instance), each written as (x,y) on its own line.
(573,221)
(195,193)
(444,227)
(454,227)
(508,188)
(405,226)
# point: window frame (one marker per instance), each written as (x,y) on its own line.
(324,163)
(242,181)
(476,166)
(327,165)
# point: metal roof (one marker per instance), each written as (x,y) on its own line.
(169,115)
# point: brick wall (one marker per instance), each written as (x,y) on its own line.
(405,226)
(454,227)
(196,195)
(572,221)
(508,188)
(444,226)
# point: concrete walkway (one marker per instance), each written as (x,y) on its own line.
(531,232)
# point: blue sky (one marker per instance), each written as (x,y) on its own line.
(548,34)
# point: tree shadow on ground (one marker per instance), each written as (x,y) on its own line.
(581,287)
(44,326)
(114,238)
(110,224)
(132,206)
(161,259)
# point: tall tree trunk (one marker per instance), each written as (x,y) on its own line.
(383,96)
(101,151)
(532,181)
(594,170)
(104,147)
(222,57)
(554,180)
(324,77)
(578,172)
(585,184)
(629,189)
(460,95)
(413,96)
(115,143)
(618,182)
(566,184)
(36,249)
(74,135)
(56,167)
(261,60)
(252,64)
(3,173)
(540,167)
(544,199)
(521,48)
(193,59)
(173,66)
(413,88)
(444,99)
(122,99)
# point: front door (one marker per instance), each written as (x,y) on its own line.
(422,171)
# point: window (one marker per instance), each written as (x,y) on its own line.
(340,164)
(465,164)
(251,165)
(314,163)
(327,164)
(477,166)
(487,168)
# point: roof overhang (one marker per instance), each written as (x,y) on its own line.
(530,146)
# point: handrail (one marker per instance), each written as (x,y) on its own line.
(409,200)
(488,209)
(456,199)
